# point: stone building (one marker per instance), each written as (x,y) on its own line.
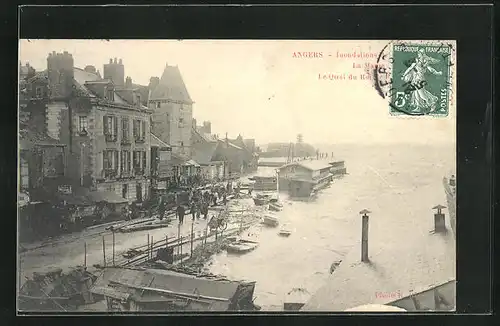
(172,111)
(103,125)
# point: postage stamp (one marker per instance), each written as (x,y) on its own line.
(416,77)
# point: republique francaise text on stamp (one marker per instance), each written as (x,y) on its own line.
(416,77)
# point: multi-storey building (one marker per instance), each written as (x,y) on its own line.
(172,111)
(102,123)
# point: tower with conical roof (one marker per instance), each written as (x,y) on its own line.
(173,111)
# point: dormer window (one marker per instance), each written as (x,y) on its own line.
(110,93)
(138,99)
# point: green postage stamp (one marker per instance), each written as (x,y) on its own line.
(421,79)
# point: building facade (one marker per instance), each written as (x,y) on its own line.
(172,111)
(103,125)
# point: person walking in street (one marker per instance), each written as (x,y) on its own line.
(180,212)
(224,199)
(198,209)
(161,208)
(193,210)
(205,209)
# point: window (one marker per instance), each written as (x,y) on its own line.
(139,130)
(125,162)
(143,130)
(138,99)
(139,158)
(158,105)
(125,131)
(82,125)
(110,127)
(39,91)
(110,94)
(110,162)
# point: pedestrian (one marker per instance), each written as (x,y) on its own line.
(198,210)
(193,210)
(180,212)
(161,208)
(205,210)
(224,199)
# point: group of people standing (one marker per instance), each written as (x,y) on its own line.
(200,201)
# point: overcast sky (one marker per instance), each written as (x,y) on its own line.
(258,89)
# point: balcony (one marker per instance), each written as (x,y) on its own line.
(125,141)
(110,173)
(138,171)
(139,140)
(110,137)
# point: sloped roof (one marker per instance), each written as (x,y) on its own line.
(171,86)
(168,280)
(406,257)
(157,142)
(223,141)
(204,154)
(310,165)
(206,136)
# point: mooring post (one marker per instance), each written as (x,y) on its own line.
(113,248)
(180,249)
(85,254)
(104,251)
(147,248)
(192,236)
(364,235)
(439,219)
(178,238)
(152,247)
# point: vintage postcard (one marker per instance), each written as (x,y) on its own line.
(162,176)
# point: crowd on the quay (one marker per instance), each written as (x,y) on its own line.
(199,200)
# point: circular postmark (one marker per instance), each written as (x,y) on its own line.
(416,77)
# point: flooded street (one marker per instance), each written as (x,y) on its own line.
(381,179)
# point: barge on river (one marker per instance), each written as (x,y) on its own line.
(305,178)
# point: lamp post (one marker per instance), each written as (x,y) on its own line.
(82,165)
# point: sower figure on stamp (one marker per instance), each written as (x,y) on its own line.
(420,98)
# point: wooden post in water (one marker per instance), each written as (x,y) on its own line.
(147,248)
(192,237)
(180,249)
(152,246)
(85,254)
(113,248)
(364,235)
(104,251)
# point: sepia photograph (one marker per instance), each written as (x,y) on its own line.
(161,176)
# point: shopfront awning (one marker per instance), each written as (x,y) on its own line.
(106,197)
(191,163)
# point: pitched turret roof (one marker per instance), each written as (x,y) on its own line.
(171,86)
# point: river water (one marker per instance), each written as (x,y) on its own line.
(379,179)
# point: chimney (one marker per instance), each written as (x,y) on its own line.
(110,60)
(153,82)
(90,69)
(115,62)
(207,127)
(439,220)
(128,83)
(364,235)
(120,62)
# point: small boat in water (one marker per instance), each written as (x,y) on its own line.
(241,246)
(275,207)
(270,220)
(285,233)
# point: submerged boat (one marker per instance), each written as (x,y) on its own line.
(261,200)
(270,220)
(284,233)
(275,207)
(241,246)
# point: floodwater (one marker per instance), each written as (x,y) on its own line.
(323,231)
